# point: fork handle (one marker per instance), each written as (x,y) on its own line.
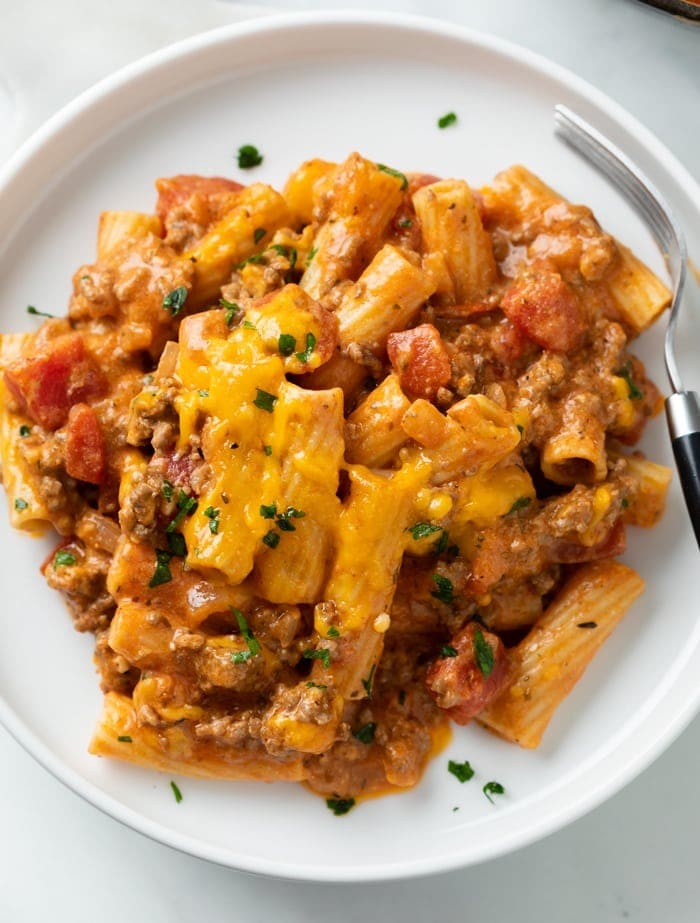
(683,414)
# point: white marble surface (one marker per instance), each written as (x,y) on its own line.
(634,857)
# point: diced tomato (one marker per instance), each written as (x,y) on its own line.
(420,359)
(85,446)
(47,384)
(176,190)
(546,309)
(465,683)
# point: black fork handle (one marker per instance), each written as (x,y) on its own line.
(683,414)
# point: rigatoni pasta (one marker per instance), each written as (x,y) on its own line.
(337,465)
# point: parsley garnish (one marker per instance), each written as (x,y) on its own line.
(365,734)
(462,771)
(483,653)
(625,503)
(312,685)
(395,173)
(310,343)
(445,591)
(267,449)
(321,653)
(367,683)
(405,223)
(124,739)
(401,696)
(441,543)
(289,252)
(21,504)
(175,301)
(32,310)
(176,792)
(167,490)
(268,512)
(251,641)
(520,504)
(231,310)
(176,544)
(271,539)
(248,325)
(587,625)
(340,805)
(203,392)
(63,559)
(186,506)
(493,788)
(626,373)
(264,400)
(312,253)
(286,344)
(448,651)
(283,523)
(421,529)
(25,430)
(332,632)
(162,572)
(255,258)
(258,234)
(249,156)
(212,515)
(448,119)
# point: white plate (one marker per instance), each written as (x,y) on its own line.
(323,85)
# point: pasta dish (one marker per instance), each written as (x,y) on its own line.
(336,466)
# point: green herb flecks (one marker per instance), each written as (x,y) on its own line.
(258,234)
(365,734)
(162,572)
(312,253)
(185,507)
(264,400)
(20,504)
(369,682)
(252,643)
(493,788)
(446,120)
(231,310)
(249,156)
(448,651)
(483,653)
(124,739)
(625,372)
(340,806)
(176,792)
(64,559)
(32,310)
(212,515)
(286,344)
(520,504)
(175,301)
(176,544)
(421,529)
(24,430)
(306,354)
(462,771)
(320,653)
(395,173)
(271,539)
(445,590)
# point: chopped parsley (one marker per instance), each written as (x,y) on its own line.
(32,310)
(254,258)
(249,156)
(268,512)
(332,632)
(162,572)
(251,641)
(267,449)
(167,490)
(24,430)
(395,173)
(283,523)
(231,310)
(203,392)
(367,683)
(448,651)
(587,625)
(175,301)
(441,543)
(264,400)
(321,653)
(271,539)
(21,504)
(258,234)
(493,788)
(483,653)
(402,696)
(520,504)
(306,354)
(176,792)
(312,253)
(212,515)
(286,344)
(124,739)
(421,529)
(176,544)
(312,685)
(185,507)
(63,559)
(365,734)
(625,503)
(626,372)
(289,252)
(340,806)
(405,223)
(462,771)
(446,120)
(445,590)
(248,325)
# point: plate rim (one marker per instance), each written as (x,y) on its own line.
(553,820)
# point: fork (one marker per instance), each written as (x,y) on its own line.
(682,407)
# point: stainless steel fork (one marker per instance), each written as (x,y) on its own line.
(682,407)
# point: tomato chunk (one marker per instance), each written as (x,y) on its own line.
(85,446)
(47,384)
(420,359)
(465,683)
(176,190)
(546,309)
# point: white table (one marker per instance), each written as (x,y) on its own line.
(633,858)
